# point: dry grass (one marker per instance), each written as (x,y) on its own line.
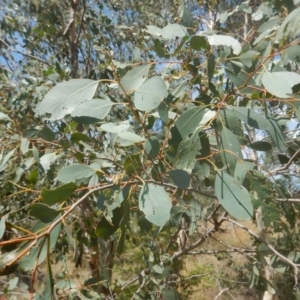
(207,275)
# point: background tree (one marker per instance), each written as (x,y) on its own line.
(142,131)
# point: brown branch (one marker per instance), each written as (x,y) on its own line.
(25,54)
(285,167)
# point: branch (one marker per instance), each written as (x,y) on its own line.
(285,167)
(25,54)
(287,200)
(282,257)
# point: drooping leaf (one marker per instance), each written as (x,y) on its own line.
(75,172)
(187,152)
(132,164)
(66,96)
(24,145)
(150,94)
(155,202)
(233,197)
(2,227)
(253,119)
(181,178)
(152,147)
(242,168)
(40,251)
(186,124)
(4,159)
(57,195)
(105,228)
(43,212)
(231,150)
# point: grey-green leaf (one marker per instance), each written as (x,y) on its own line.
(150,94)
(75,172)
(181,178)
(155,202)
(218,39)
(152,147)
(95,108)
(280,83)
(233,197)
(66,96)
(134,78)
(231,150)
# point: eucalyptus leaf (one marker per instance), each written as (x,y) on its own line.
(66,96)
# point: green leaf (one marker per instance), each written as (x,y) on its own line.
(152,147)
(280,83)
(47,134)
(293,18)
(4,159)
(105,228)
(255,120)
(132,164)
(261,146)
(43,212)
(186,124)
(66,96)
(2,227)
(24,145)
(181,178)
(170,294)
(47,160)
(210,66)
(198,43)
(58,195)
(217,40)
(95,108)
(231,150)
(270,24)
(75,172)
(134,78)
(187,152)
(78,136)
(186,16)
(150,94)
(39,252)
(242,168)
(4,117)
(173,31)
(154,201)
(127,138)
(233,197)
(169,32)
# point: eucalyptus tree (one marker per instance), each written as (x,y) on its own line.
(125,124)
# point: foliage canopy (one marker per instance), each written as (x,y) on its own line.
(131,124)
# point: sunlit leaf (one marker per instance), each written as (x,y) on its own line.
(66,96)
(150,94)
